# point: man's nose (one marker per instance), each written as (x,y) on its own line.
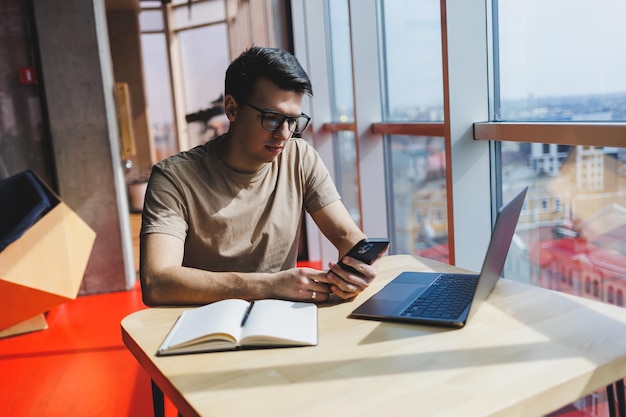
(283,131)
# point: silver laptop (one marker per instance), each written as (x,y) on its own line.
(446,299)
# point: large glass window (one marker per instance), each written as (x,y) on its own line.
(561,60)
(151,20)
(411,39)
(198,12)
(412,87)
(342,105)
(558,62)
(573,225)
(341,85)
(418,178)
(346,169)
(200,31)
(204,56)
(159,94)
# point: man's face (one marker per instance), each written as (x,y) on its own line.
(251,145)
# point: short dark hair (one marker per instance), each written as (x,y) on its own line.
(277,65)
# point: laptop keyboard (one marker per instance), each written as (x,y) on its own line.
(445,298)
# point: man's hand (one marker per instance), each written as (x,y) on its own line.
(347,284)
(301,284)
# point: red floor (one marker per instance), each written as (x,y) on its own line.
(78,366)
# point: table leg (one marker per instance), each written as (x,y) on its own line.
(610,399)
(616,400)
(621,401)
(158,403)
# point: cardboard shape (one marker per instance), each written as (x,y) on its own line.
(27,326)
(45,266)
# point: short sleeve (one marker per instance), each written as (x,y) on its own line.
(320,190)
(164,205)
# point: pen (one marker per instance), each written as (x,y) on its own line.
(245,316)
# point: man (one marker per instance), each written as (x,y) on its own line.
(222,220)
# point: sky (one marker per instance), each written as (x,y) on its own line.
(562,47)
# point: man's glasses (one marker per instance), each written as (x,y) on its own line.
(273,120)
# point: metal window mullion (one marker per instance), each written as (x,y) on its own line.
(310,47)
(176,88)
(466,61)
(368,110)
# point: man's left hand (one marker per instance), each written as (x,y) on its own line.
(348,284)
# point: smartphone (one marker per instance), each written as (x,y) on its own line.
(365,251)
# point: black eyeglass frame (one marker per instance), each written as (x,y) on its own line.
(292,121)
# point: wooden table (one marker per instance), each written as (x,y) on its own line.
(528,351)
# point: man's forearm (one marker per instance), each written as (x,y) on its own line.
(178,285)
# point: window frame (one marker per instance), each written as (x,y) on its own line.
(560,133)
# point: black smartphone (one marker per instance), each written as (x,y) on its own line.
(365,251)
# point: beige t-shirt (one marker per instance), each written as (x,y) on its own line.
(231,221)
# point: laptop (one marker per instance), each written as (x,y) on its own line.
(446,299)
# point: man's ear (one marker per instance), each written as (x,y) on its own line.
(230,108)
